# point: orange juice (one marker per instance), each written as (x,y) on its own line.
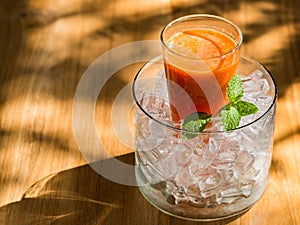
(210,61)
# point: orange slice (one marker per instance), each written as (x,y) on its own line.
(207,45)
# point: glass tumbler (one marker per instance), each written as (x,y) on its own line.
(201,54)
(214,175)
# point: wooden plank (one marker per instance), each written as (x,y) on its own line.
(45,48)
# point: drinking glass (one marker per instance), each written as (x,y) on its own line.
(201,53)
(216,174)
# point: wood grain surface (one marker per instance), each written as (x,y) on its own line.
(45,48)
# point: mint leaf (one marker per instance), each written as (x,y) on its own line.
(195,122)
(230,117)
(231,113)
(235,90)
(245,108)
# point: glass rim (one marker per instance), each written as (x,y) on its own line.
(195,16)
(156,59)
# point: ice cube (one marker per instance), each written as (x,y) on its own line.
(211,151)
(255,85)
(194,195)
(248,137)
(179,195)
(183,152)
(213,185)
(156,106)
(183,178)
(160,85)
(251,132)
(151,174)
(246,187)
(225,160)
(158,131)
(245,120)
(177,158)
(201,174)
(170,187)
(194,167)
(257,74)
(159,168)
(201,144)
(166,146)
(257,91)
(150,136)
(213,200)
(227,154)
(244,162)
(232,194)
(262,161)
(261,165)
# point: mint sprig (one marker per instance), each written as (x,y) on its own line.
(235,90)
(230,117)
(195,122)
(245,108)
(231,113)
(236,108)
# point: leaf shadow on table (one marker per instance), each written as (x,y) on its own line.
(81,196)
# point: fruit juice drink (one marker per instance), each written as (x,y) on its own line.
(199,62)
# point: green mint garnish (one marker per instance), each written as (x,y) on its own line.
(231,113)
(230,117)
(235,90)
(245,108)
(195,122)
(236,108)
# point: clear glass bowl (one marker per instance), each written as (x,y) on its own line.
(215,175)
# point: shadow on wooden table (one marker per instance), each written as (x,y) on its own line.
(81,196)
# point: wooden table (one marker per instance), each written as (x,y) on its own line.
(45,48)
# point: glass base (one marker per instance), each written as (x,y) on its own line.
(236,214)
(156,195)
